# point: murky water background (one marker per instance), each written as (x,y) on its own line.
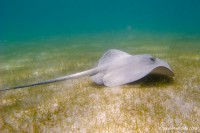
(48,39)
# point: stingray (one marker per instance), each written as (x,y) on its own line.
(116,68)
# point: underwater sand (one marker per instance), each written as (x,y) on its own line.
(79,105)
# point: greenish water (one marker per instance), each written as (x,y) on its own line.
(57,56)
(35,26)
(49,39)
(35,19)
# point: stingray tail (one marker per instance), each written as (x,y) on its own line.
(77,75)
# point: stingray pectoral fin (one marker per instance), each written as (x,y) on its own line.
(98,78)
(162,70)
(130,74)
(107,58)
(112,55)
(123,76)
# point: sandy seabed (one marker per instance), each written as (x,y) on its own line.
(152,105)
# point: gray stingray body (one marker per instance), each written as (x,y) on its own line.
(117,68)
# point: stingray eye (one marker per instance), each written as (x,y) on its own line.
(153,59)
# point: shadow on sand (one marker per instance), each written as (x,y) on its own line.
(154,80)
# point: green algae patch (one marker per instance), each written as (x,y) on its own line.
(150,105)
